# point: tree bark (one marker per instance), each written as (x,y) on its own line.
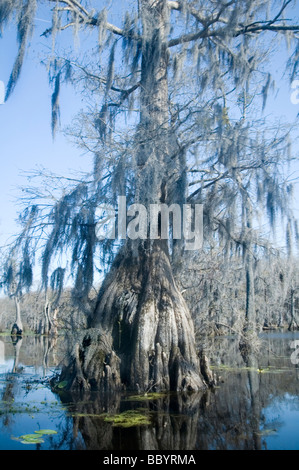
(142,333)
(151,326)
(247,227)
(293,323)
(17,328)
(250,294)
(47,325)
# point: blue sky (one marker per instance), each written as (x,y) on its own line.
(25,129)
(25,125)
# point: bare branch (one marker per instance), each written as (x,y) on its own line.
(207,22)
(258,28)
(125,92)
(88,19)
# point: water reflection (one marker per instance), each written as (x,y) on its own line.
(255,405)
(238,416)
(17,343)
(2,353)
(174,419)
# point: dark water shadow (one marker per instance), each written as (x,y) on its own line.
(230,416)
(237,414)
(171,420)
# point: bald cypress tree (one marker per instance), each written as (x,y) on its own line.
(168,68)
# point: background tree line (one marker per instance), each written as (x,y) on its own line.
(214,289)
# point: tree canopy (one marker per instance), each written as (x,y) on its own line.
(226,154)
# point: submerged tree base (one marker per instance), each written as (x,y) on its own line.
(92,365)
(141,337)
(16,330)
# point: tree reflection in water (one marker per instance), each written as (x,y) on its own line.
(174,419)
(234,415)
(231,416)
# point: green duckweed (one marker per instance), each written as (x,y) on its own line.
(128,419)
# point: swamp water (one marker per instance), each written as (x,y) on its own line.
(254,406)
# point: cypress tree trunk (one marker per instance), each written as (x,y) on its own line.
(142,334)
(293,323)
(17,328)
(151,327)
(249,339)
(45,326)
(250,294)
(250,314)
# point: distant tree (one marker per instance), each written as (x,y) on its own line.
(17,277)
(158,87)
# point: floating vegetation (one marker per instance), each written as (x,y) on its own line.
(62,385)
(147,396)
(224,367)
(29,439)
(267,432)
(128,419)
(88,415)
(260,370)
(46,431)
(35,438)
(29,408)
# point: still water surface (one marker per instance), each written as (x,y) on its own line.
(254,406)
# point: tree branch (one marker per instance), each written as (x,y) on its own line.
(256,27)
(174,5)
(88,19)
(203,33)
(124,92)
